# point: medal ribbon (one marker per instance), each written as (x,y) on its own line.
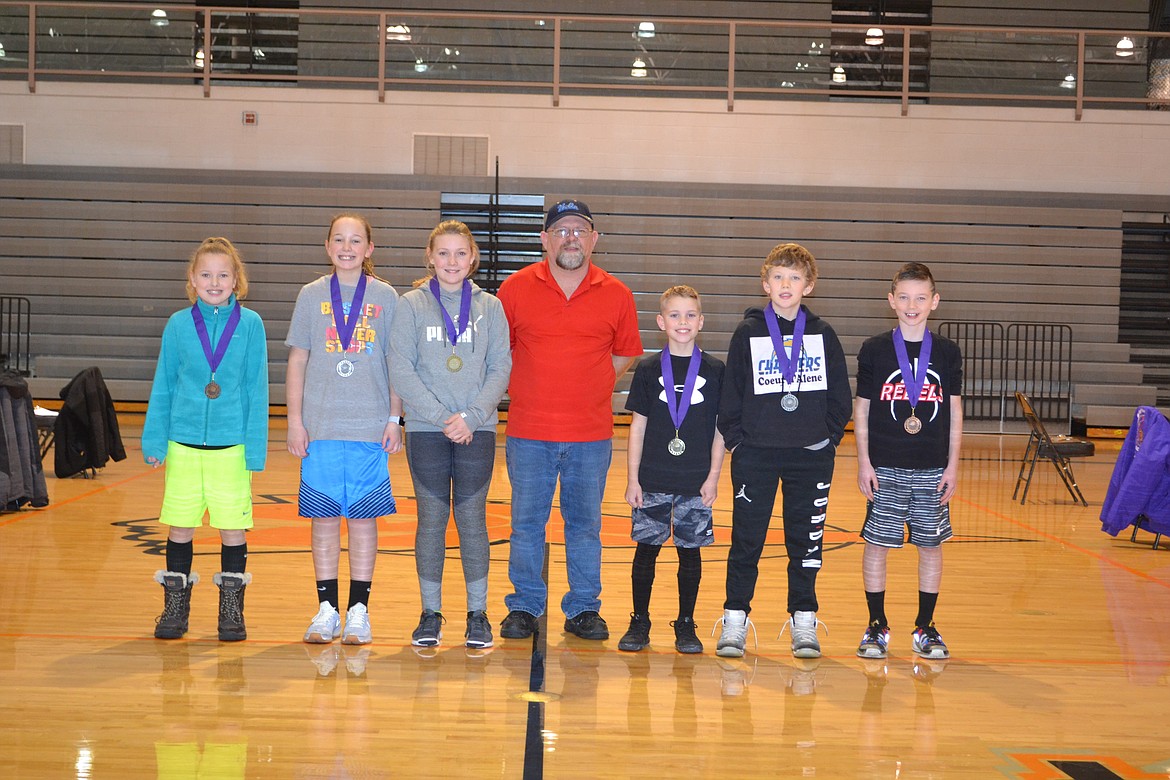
(214,357)
(455,331)
(788,365)
(913,381)
(346,325)
(678,407)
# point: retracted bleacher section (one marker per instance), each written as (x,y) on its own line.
(101,254)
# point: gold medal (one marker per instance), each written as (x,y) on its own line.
(454,363)
(912,425)
(212,390)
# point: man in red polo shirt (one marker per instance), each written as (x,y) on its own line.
(574,331)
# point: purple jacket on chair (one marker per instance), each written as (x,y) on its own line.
(1140,484)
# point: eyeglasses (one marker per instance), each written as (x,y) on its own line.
(563,233)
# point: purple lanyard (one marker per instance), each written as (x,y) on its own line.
(214,358)
(678,407)
(453,331)
(346,324)
(913,381)
(787,365)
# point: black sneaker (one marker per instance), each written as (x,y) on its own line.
(685,640)
(588,625)
(638,635)
(518,625)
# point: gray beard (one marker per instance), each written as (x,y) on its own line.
(570,259)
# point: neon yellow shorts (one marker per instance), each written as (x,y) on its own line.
(212,482)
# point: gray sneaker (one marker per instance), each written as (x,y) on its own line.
(803,626)
(479,629)
(734,636)
(430,629)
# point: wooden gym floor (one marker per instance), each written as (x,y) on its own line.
(1060,637)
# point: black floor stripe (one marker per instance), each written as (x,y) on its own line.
(534,733)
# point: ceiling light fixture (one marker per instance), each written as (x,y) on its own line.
(158,18)
(1124,47)
(839,75)
(875,36)
(646,30)
(638,68)
(399,33)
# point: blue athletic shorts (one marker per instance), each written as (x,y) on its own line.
(661,513)
(907,497)
(347,479)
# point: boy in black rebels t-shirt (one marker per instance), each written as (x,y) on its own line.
(908,422)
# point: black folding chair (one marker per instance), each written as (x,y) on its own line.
(1057,451)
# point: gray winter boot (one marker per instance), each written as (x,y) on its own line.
(231,604)
(172,623)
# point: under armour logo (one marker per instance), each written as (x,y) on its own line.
(743,493)
(696,396)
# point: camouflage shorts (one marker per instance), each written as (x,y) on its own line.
(660,512)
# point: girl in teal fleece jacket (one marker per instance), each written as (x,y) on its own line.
(208,421)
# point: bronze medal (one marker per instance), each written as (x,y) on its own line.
(212,390)
(912,425)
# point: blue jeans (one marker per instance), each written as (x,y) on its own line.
(533,468)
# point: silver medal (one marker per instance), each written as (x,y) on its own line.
(676,446)
(454,363)
(345,368)
(789,402)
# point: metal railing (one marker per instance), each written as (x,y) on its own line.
(1032,358)
(16,334)
(559,54)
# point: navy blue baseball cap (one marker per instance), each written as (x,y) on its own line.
(567,208)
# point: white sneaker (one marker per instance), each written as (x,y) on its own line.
(357,626)
(326,625)
(734,636)
(803,626)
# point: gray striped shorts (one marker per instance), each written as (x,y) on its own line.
(907,498)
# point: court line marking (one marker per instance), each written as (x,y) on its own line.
(54,505)
(1052,537)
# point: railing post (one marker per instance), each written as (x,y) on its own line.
(207,53)
(731,66)
(905,71)
(32,48)
(382,57)
(1080,109)
(556,85)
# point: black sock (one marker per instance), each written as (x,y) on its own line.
(359,593)
(643,576)
(877,607)
(233,558)
(926,605)
(327,591)
(179,556)
(690,571)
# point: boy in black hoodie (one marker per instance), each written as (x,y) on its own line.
(783,411)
